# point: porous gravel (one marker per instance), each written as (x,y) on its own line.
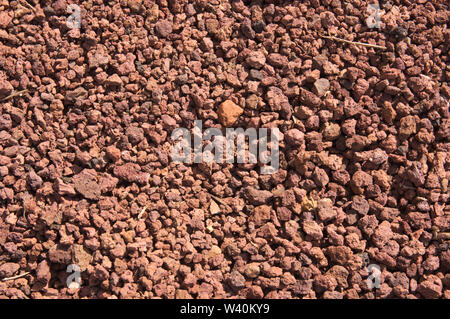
(86,175)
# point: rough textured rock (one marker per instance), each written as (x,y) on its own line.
(86,183)
(8,269)
(131,173)
(431,288)
(256,60)
(236,280)
(257,197)
(321,86)
(163,28)
(88,124)
(229,113)
(312,229)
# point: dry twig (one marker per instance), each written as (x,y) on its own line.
(331,37)
(17,93)
(142,212)
(25,2)
(16,277)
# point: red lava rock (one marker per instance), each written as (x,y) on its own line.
(5,87)
(294,137)
(86,175)
(303,287)
(228,113)
(135,134)
(114,80)
(163,28)
(278,101)
(309,99)
(107,183)
(382,234)
(431,264)
(43,274)
(255,292)
(333,295)
(5,19)
(417,84)
(8,269)
(64,189)
(100,273)
(252,270)
(407,126)
(97,59)
(415,174)
(236,280)
(321,86)
(277,60)
(60,256)
(324,283)
(320,177)
(34,180)
(131,173)
(340,273)
(325,210)
(256,60)
(260,215)
(78,94)
(168,122)
(339,254)
(313,76)
(257,197)
(360,179)
(86,183)
(331,132)
(113,153)
(360,205)
(312,229)
(431,288)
